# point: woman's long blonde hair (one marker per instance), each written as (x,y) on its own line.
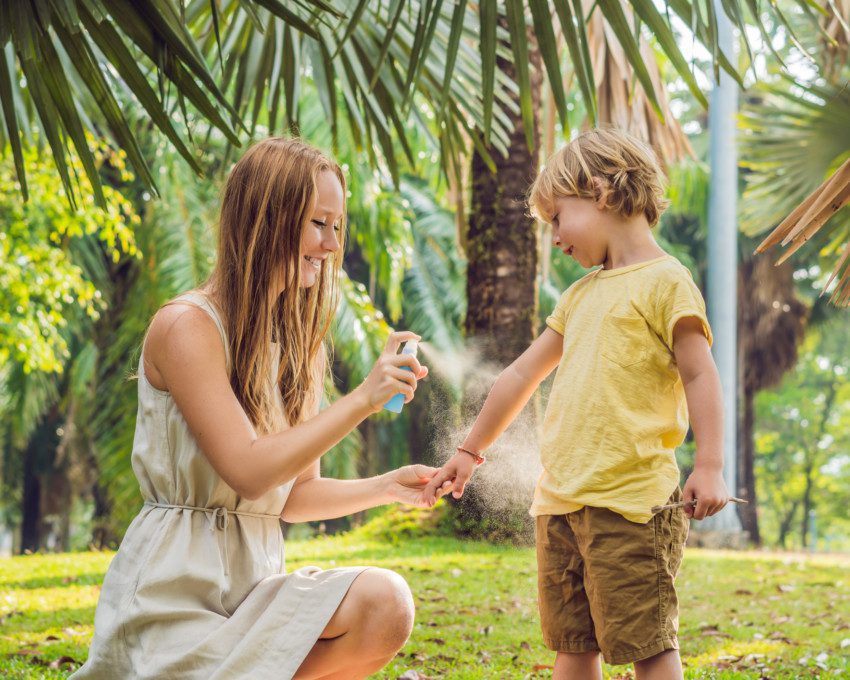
(267,202)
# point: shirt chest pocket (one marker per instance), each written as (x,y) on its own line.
(624,340)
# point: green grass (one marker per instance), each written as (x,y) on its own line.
(743,615)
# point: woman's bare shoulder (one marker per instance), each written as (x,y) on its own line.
(180,332)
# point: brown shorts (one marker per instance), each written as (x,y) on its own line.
(606,584)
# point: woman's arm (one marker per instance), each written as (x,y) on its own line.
(185,348)
(314,498)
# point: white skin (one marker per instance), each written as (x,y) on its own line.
(593,235)
(184,356)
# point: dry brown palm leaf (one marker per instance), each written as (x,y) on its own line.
(807,219)
(622,101)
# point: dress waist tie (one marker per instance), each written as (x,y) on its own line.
(218,518)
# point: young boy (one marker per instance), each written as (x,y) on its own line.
(631,343)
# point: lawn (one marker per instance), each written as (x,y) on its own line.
(743,615)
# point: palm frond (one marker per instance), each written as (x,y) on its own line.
(434,299)
(69,52)
(640,107)
(796,136)
(359,330)
(76,55)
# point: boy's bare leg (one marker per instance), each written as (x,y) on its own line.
(664,666)
(577,666)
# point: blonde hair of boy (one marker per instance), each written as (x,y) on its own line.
(627,169)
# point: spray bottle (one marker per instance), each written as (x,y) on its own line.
(397,402)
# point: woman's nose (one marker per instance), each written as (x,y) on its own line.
(332,243)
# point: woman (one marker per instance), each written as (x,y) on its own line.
(228,441)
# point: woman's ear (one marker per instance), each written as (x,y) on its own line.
(601,192)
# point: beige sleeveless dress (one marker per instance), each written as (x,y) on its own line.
(198,588)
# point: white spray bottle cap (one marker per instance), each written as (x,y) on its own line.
(410,347)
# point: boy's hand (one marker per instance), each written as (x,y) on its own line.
(706,485)
(458,469)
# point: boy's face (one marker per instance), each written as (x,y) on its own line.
(576,230)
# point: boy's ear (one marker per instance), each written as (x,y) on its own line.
(601,192)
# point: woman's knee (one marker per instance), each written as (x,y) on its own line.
(389,603)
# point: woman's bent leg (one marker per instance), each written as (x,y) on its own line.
(371,624)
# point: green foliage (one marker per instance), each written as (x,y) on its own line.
(793,137)
(743,615)
(42,287)
(399,524)
(803,444)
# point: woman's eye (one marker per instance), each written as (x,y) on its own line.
(322,225)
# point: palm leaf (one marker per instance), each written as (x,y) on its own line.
(434,299)
(798,136)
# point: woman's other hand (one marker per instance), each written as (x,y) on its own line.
(407,483)
(387,377)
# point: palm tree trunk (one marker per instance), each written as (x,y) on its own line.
(40,472)
(502,267)
(502,241)
(771,326)
(30,504)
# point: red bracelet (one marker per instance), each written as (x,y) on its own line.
(479,459)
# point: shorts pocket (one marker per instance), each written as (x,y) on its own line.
(624,340)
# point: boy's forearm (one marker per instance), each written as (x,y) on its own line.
(509,394)
(705,410)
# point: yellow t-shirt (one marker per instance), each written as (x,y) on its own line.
(617,408)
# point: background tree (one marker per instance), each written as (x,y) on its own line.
(52,302)
(803,443)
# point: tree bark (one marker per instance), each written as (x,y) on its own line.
(746,469)
(30,503)
(787,521)
(501,247)
(771,325)
(502,244)
(812,460)
(40,475)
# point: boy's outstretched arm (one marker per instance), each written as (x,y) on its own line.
(509,394)
(705,409)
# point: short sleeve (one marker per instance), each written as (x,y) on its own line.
(557,320)
(678,297)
